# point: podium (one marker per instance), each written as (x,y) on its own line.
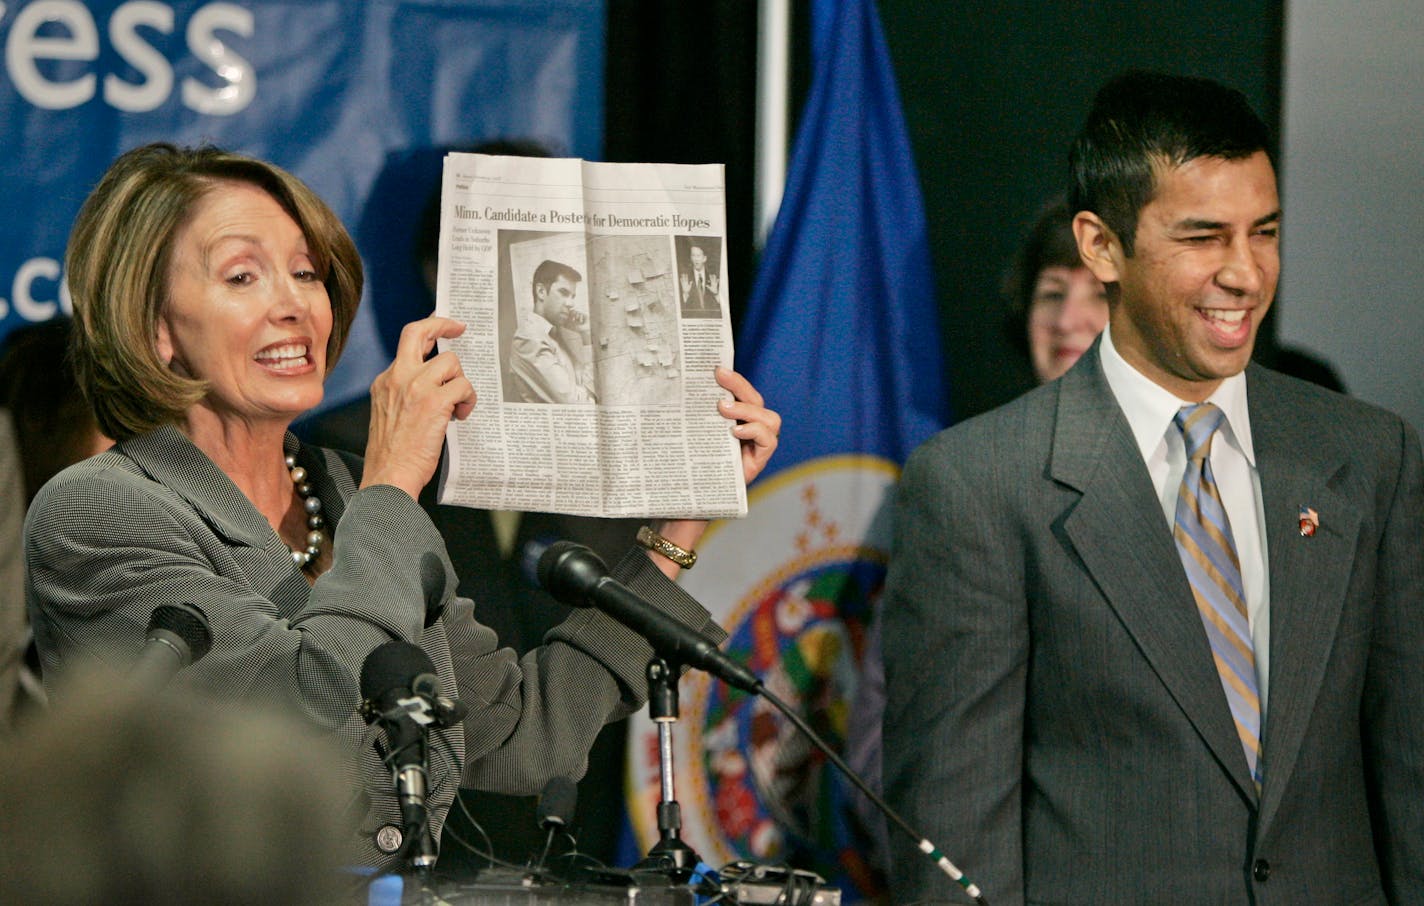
(499,887)
(504,887)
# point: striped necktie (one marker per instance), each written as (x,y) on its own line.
(1208,552)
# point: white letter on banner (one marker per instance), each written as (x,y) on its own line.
(157,81)
(25,304)
(24,46)
(241,78)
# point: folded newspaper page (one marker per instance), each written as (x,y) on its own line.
(595,299)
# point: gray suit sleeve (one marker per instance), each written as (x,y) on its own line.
(1392,709)
(535,717)
(104,548)
(956,649)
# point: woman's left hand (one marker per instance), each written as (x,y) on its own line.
(757,427)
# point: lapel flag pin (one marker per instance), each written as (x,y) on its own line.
(1309,521)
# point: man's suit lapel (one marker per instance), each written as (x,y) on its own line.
(1118,530)
(1298,467)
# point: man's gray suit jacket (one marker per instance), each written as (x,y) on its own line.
(154,521)
(1055,722)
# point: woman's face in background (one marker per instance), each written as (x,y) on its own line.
(1067,311)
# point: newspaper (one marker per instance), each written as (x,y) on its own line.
(595,299)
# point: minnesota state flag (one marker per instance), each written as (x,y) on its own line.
(841,337)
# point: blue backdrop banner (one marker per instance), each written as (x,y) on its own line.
(345,93)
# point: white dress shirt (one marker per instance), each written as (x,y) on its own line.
(1149,410)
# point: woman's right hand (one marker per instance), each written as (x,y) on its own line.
(412,403)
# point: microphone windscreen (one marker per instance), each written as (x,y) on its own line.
(391,668)
(187,622)
(569,571)
(557,803)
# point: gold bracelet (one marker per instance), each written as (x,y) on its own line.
(660,545)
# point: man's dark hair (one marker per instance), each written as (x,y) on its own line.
(1143,120)
(549,271)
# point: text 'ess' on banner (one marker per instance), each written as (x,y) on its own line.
(359,99)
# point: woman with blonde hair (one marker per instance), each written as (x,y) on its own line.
(212,294)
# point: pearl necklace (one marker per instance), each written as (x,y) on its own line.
(312,504)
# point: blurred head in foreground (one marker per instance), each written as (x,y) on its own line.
(117,797)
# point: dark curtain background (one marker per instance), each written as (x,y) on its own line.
(681,88)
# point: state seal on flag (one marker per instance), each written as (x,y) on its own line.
(794,584)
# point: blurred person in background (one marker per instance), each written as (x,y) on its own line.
(45,425)
(1057,307)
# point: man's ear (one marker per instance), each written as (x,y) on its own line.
(1098,246)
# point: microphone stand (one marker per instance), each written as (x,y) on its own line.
(575,575)
(671,854)
(419,851)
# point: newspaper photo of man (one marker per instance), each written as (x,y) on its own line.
(546,362)
(699,276)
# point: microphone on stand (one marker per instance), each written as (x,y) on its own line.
(555,810)
(399,691)
(575,575)
(178,635)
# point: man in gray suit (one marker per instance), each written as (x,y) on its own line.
(1128,664)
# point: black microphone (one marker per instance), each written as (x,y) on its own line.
(555,810)
(577,576)
(398,683)
(557,803)
(178,635)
